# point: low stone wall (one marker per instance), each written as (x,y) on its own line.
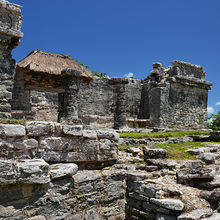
(33,189)
(58,143)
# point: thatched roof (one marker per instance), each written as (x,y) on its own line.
(49,63)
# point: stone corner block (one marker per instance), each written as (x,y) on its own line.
(108,134)
(33,171)
(24,172)
(61,170)
(39,128)
(73,130)
(12,130)
(171,204)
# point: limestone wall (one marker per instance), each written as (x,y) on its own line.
(58,143)
(10,26)
(176,96)
(33,189)
(97,102)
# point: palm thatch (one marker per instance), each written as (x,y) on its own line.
(49,63)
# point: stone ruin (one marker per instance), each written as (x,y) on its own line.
(173,97)
(54,87)
(74,170)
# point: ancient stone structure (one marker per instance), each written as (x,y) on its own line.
(176,96)
(41,71)
(76,171)
(10,26)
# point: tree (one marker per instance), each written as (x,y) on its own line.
(214,123)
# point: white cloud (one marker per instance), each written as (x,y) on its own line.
(217,103)
(129,75)
(210,110)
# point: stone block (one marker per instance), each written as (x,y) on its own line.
(33,171)
(39,128)
(86,176)
(73,130)
(8,130)
(196,214)
(60,143)
(107,134)
(171,204)
(89,134)
(24,172)
(193,171)
(154,153)
(62,170)
(8,172)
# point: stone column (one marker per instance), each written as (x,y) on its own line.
(120,108)
(10,25)
(68,101)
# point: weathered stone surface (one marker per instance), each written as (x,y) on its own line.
(194,170)
(196,214)
(62,170)
(24,171)
(161,164)
(154,153)
(133,150)
(209,158)
(172,204)
(89,134)
(7,130)
(107,134)
(73,130)
(161,216)
(39,128)
(38,217)
(33,171)
(215,216)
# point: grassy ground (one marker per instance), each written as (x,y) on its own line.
(13,121)
(175,151)
(178,151)
(162,134)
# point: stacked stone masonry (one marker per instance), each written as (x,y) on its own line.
(57,143)
(174,97)
(10,25)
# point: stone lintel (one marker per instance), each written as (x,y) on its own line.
(181,63)
(11,33)
(191,81)
(118,80)
(68,72)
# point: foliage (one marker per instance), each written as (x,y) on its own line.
(214,123)
(95,73)
(162,134)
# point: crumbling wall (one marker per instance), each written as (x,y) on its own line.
(10,25)
(57,143)
(44,105)
(33,189)
(98,98)
(177,96)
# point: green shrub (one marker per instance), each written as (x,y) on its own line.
(214,123)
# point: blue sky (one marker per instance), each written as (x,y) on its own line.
(126,36)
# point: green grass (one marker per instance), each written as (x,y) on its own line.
(122,148)
(162,134)
(178,151)
(13,121)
